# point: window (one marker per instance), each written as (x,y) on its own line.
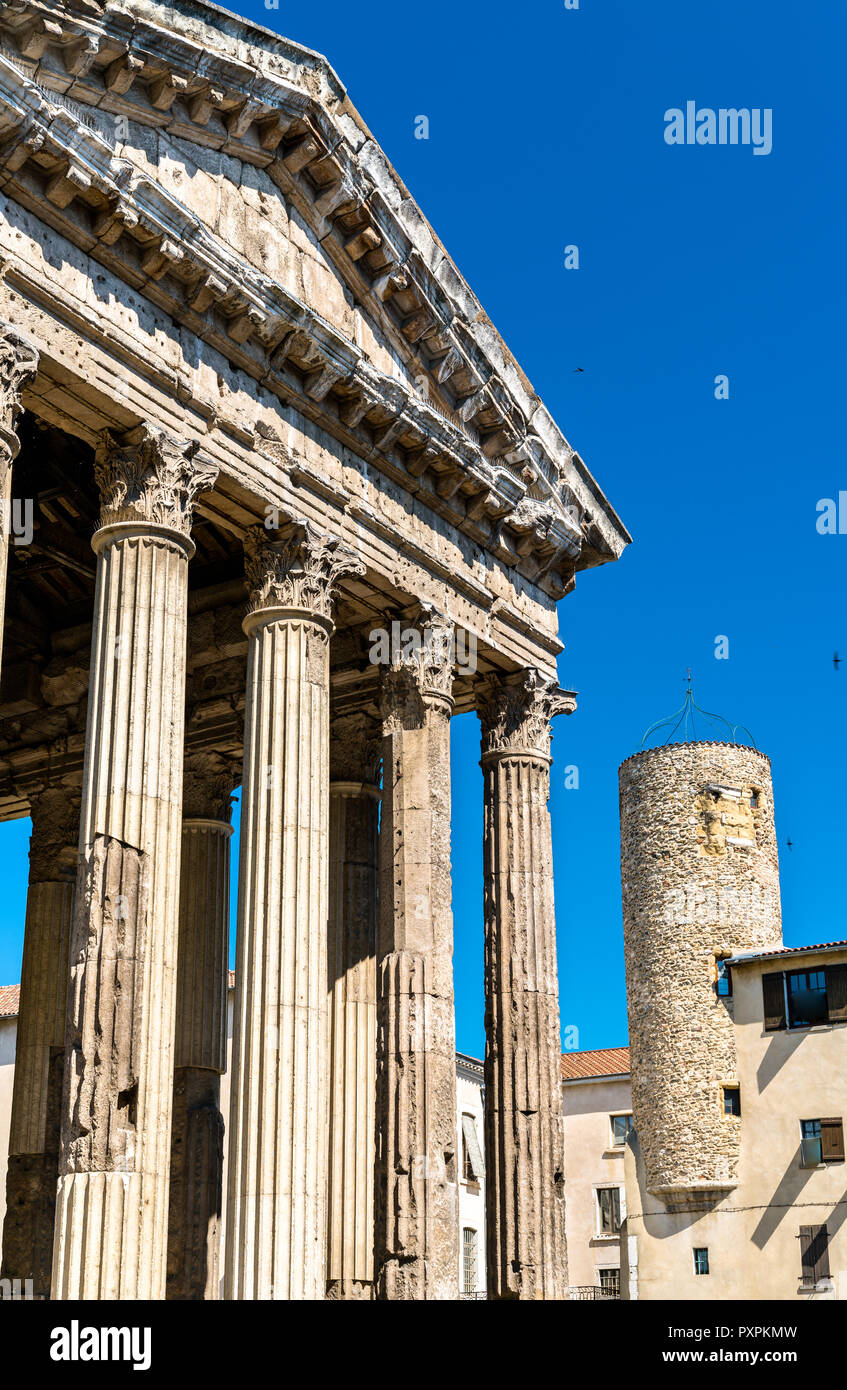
(468,1260)
(608,1210)
(473,1168)
(701,1260)
(621,1129)
(732,1100)
(814,1254)
(755,800)
(806,998)
(822,1141)
(723,979)
(610,1282)
(802,998)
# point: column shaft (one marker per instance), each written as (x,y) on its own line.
(39,1049)
(417,1193)
(112,1203)
(353,848)
(197,1129)
(276,1203)
(523,1113)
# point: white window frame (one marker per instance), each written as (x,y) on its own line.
(618,1115)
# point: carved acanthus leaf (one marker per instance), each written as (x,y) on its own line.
(296,566)
(147,476)
(419,670)
(18,364)
(516,710)
(209,780)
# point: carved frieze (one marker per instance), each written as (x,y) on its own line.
(147,476)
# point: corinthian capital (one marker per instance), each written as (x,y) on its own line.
(148,476)
(208,783)
(296,566)
(18,364)
(355,749)
(420,668)
(515,712)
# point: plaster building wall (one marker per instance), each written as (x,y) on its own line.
(592,1162)
(469,1107)
(700,879)
(8,1030)
(753,1234)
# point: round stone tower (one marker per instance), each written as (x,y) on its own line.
(700,882)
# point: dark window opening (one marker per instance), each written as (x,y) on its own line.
(732,1100)
(723,979)
(609,1205)
(806,998)
(701,1260)
(610,1282)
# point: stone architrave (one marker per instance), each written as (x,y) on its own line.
(355,751)
(197,1127)
(416,1177)
(18,364)
(276,1201)
(525,1211)
(40,1043)
(112,1202)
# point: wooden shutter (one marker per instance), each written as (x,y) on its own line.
(836,993)
(832,1141)
(773,997)
(814,1253)
(820,1250)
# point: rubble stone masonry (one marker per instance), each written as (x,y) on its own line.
(700,881)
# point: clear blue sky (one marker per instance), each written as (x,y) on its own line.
(547,130)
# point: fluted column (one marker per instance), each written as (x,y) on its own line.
(112,1203)
(416,1178)
(18,363)
(197,1127)
(40,1043)
(525,1211)
(276,1198)
(353,858)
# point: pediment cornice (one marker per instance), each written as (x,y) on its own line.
(482,444)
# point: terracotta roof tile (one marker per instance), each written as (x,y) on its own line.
(9,997)
(604,1061)
(742,956)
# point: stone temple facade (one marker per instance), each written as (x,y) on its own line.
(251,414)
(700,881)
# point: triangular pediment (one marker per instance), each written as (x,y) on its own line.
(225,169)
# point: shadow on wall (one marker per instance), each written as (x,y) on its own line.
(659,1223)
(787,1191)
(780,1050)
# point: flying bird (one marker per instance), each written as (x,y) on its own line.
(790,844)
(579,369)
(836,660)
